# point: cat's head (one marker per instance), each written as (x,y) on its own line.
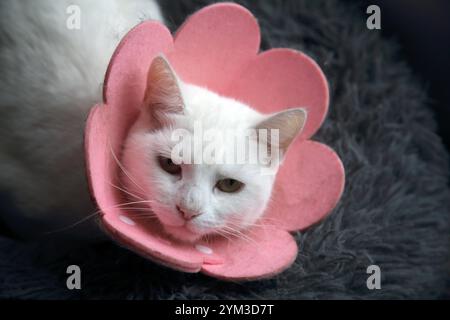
(193,197)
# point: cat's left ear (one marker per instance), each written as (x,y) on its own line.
(162,94)
(289,124)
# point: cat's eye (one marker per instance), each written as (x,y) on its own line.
(229,185)
(169,166)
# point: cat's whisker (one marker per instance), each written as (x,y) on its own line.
(139,212)
(121,205)
(237,226)
(270,219)
(73,225)
(207,238)
(240,234)
(131,203)
(262,222)
(136,209)
(248,232)
(223,234)
(126,191)
(123,168)
(144,219)
(232,231)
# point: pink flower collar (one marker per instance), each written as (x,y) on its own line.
(217,48)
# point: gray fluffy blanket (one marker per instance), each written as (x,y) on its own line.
(394,212)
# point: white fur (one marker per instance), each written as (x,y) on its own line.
(187,199)
(50,77)
(196,187)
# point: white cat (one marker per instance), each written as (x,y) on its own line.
(50,78)
(196,199)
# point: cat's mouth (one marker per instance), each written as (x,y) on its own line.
(183,233)
(176,227)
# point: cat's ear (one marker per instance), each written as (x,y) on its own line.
(162,94)
(289,124)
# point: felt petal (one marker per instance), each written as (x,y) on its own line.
(126,75)
(217,48)
(125,84)
(283,78)
(143,237)
(309,184)
(97,168)
(213,45)
(267,252)
(146,239)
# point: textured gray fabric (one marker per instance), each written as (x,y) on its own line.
(394,212)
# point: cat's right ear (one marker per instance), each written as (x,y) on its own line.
(289,124)
(162,94)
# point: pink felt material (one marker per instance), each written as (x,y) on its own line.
(217,48)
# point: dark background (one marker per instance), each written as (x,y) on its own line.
(395,208)
(423,30)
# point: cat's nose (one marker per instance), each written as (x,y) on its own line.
(188,214)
